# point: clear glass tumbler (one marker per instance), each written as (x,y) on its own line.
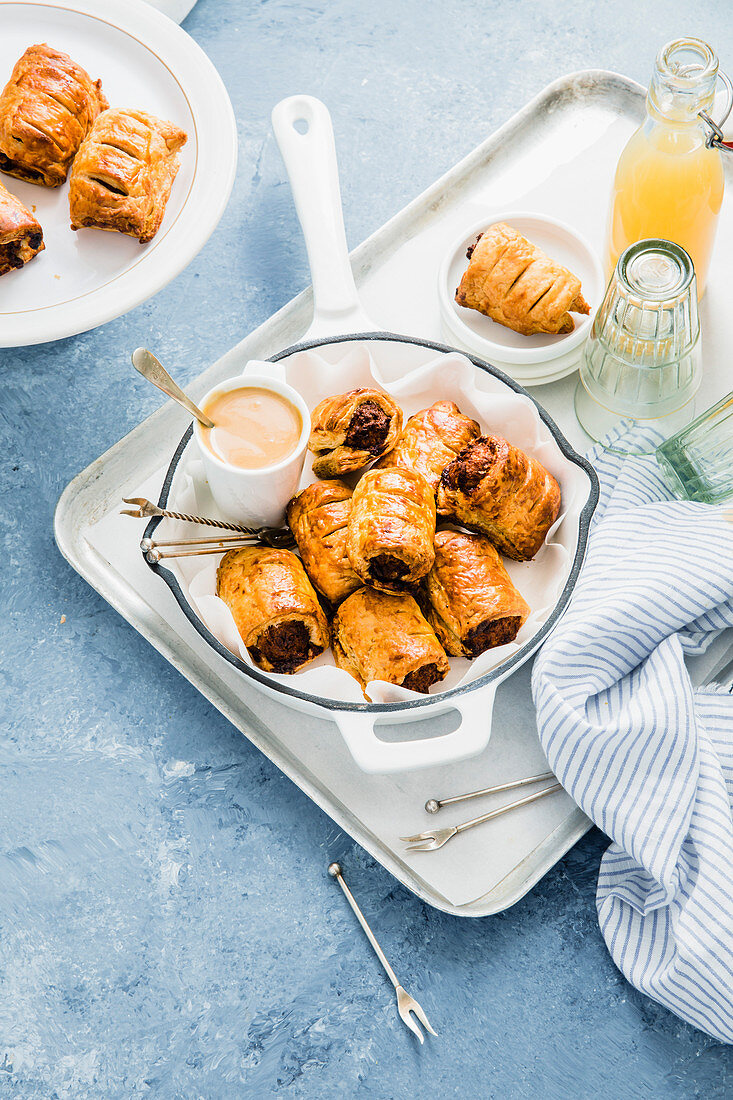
(641,364)
(697,463)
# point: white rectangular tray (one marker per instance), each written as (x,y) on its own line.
(557,156)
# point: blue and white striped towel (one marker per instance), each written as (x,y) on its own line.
(649,759)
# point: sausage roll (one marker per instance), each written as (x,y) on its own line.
(274,606)
(46,110)
(472,604)
(21,237)
(391,528)
(351,430)
(318,518)
(495,488)
(124,172)
(431,439)
(385,636)
(513,282)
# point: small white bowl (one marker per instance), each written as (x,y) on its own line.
(540,358)
(258,497)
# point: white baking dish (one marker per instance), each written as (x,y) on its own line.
(417,372)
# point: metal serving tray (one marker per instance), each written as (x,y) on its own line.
(556,156)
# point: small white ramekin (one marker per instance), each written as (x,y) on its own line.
(534,359)
(254,497)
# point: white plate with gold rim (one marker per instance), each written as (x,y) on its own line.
(145,61)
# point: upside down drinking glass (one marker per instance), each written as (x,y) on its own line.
(641,364)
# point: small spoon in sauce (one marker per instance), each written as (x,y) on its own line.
(153,370)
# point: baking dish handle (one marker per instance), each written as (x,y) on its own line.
(304,134)
(382,757)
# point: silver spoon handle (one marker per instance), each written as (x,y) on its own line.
(335,871)
(153,371)
(505,809)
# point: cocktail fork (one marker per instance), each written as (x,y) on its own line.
(432,839)
(277,537)
(405,1003)
(145,509)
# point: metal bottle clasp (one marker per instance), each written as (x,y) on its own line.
(715,138)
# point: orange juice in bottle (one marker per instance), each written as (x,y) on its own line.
(668,184)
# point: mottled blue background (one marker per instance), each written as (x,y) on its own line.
(167,928)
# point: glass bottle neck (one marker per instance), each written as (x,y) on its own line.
(683,82)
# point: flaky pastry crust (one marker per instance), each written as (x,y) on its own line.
(123,173)
(318,518)
(21,236)
(431,439)
(46,110)
(494,488)
(385,636)
(514,282)
(350,430)
(472,604)
(274,606)
(391,528)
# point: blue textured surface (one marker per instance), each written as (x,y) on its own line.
(167,928)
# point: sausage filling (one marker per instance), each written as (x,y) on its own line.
(422,678)
(8,165)
(387,569)
(18,252)
(368,428)
(10,255)
(471,466)
(492,633)
(286,646)
(471,247)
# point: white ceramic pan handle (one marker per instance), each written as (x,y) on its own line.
(304,134)
(382,757)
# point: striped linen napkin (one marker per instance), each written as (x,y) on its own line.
(648,758)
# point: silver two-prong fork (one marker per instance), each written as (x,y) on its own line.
(436,838)
(405,1003)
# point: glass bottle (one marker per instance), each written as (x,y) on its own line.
(668,184)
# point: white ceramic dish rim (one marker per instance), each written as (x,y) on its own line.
(501,353)
(217,146)
(408,708)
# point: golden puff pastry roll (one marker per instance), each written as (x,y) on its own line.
(318,518)
(431,439)
(123,174)
(514,282)
(352,429)
(274,606)
(391,528)
(494,488)
(385,636)
(472,604)
(21,236)
(46,110)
